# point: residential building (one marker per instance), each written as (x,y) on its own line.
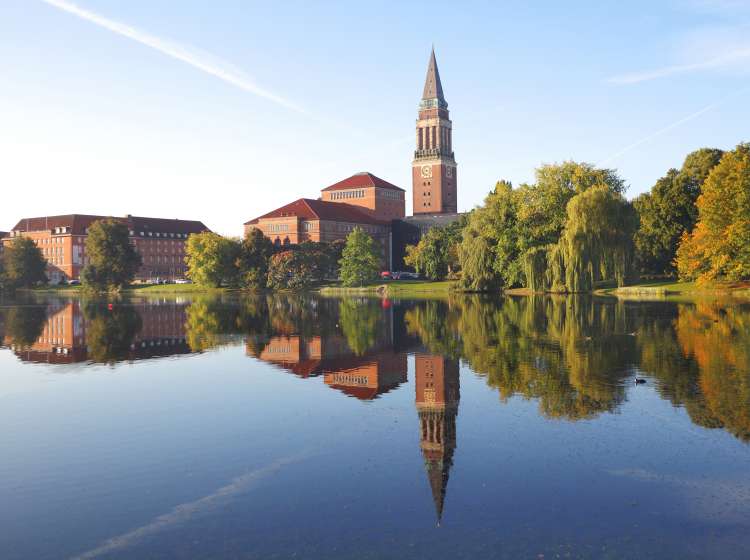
(62,240)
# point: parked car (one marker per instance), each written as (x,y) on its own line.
(74,283)
(386,275)
(183,281)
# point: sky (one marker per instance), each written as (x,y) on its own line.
(221,111)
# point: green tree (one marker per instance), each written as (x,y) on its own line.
(113,260)
(477,270)
(541,207)
(436,254)
(669,210)
(360,260)
(293,270)
(255,253)
(23,263)
(719,246)
(596,243)
(212,260)
(489,250)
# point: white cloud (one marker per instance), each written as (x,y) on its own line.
(197,59)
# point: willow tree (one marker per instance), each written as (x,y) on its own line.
(596,244)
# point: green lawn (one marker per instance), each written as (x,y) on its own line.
(676,288)
(172,289)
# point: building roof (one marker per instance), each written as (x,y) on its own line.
(79,222)
(433,89)
(363,179)
(310,209)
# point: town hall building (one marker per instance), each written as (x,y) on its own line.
(375,205)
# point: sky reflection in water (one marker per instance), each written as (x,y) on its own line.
(269,426)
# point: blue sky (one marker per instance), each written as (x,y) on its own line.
(223,110)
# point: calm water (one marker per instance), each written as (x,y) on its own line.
(304,427)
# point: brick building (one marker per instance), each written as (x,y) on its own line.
(362,200)
(62,239)
(434,176)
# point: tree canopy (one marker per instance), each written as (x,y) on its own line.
(360,259)
(112,259)
(516,237)
(255,253)
(23,264)
(718,248)
(436,254)
(212,259)
(669,210)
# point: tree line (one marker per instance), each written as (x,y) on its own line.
(573,228)
(212,260)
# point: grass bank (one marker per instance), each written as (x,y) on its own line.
(393,288)
(674,289)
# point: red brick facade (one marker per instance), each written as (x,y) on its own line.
(62,240)
(434,176)
(362,200)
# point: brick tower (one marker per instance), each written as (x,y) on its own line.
(434,168)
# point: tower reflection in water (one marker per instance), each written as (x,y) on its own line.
(375,373)
(438,393)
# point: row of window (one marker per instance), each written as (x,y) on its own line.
(159,234)
(278,227)
(396,195)
(342,195)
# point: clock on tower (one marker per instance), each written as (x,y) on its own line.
(434,167)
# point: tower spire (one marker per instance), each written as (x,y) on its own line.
(433,89)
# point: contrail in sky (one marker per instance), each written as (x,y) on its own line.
(726,59)
(201,61)
(669,127)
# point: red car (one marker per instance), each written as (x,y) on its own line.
(385,275)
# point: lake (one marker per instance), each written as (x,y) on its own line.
(309,427)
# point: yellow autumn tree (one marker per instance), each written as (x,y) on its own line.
(718,248)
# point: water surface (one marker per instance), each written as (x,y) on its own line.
(307,427)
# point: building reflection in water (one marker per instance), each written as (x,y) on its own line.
(378,370)
(73,332)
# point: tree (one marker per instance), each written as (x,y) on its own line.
(254,256)
(436,254)
(495,223)
(719,246)
(475,254)
(360,260)
(669,210)
(23,263)
(113,260)
(212,259)
(293,270)
(596,243)
(541,207)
